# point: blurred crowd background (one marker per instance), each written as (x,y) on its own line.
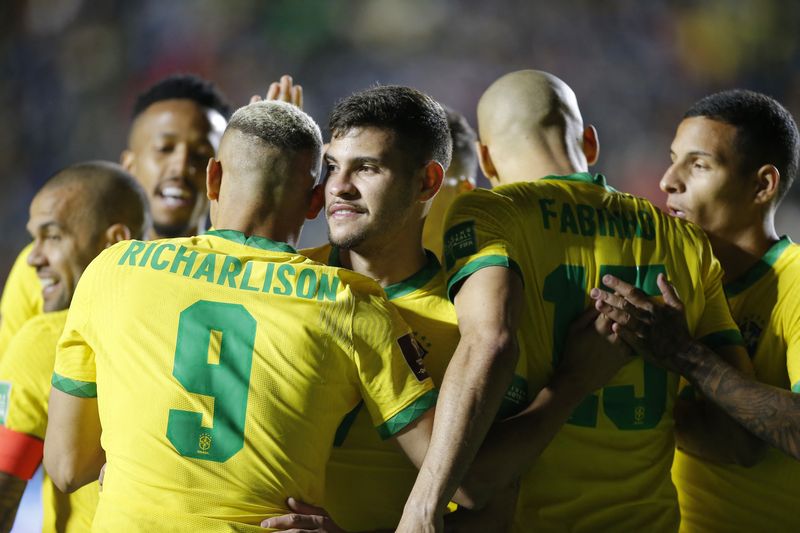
(72,68)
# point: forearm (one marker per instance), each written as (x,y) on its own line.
(11,489)
(73,456)
(770,413)
(514,444)
(470,397)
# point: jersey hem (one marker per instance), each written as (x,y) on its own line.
(410,413)
(477,264)
(74,387)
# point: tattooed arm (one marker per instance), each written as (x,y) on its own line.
(659,332)
(770,413)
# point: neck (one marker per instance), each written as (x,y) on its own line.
(396,260)
(533,163)
(739,250)
(250,225)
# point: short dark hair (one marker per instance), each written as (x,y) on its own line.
(766,133)
(417,119)
(111,195)
(183,86)
(464,138)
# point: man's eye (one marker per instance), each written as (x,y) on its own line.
(53,237)
(368,169)
(164,149)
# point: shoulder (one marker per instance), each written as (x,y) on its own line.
(320,254)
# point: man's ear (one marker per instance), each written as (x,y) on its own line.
(126,159)
(116,233)
(213,178)
(432,177)
(317,201)
(768,179)
(591,145)
(485,161)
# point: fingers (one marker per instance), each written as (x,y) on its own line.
(629,292)
(255,98)
(293,521)
(669,293)
(297,96)
(305,508)
(273,91)
(628,336)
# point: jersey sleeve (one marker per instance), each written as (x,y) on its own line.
(716,327)
(479,231)
(74,372)
(395,385)
(24,389)
(22,298)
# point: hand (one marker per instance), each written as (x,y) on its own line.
(283,91)
(305,517)
(593,352)
(655,330)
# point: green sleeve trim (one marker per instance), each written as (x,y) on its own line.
(73,387)
(796,387)
(477,264)
(417,280)
(413,411)
(729,337)
(346,424)
(757,271)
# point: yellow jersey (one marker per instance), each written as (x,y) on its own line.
(765,302)
(21,300)
(222,366)
(25,374)
(609,466)
(434,221)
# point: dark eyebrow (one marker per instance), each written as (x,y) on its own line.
(357,160)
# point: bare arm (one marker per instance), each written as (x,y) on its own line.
(11,489)
(72,453)
(488,308)
(659,331)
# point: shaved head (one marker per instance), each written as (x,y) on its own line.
(269,159)
(534,111)
(100,194)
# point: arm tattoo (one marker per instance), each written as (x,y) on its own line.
(11,489)
(770,413)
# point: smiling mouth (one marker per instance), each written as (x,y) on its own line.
(48,285)
(176,196)
(341,211)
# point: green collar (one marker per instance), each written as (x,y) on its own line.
(415,281)
(758,270)
(584,177)
(408,285)
(254,240)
